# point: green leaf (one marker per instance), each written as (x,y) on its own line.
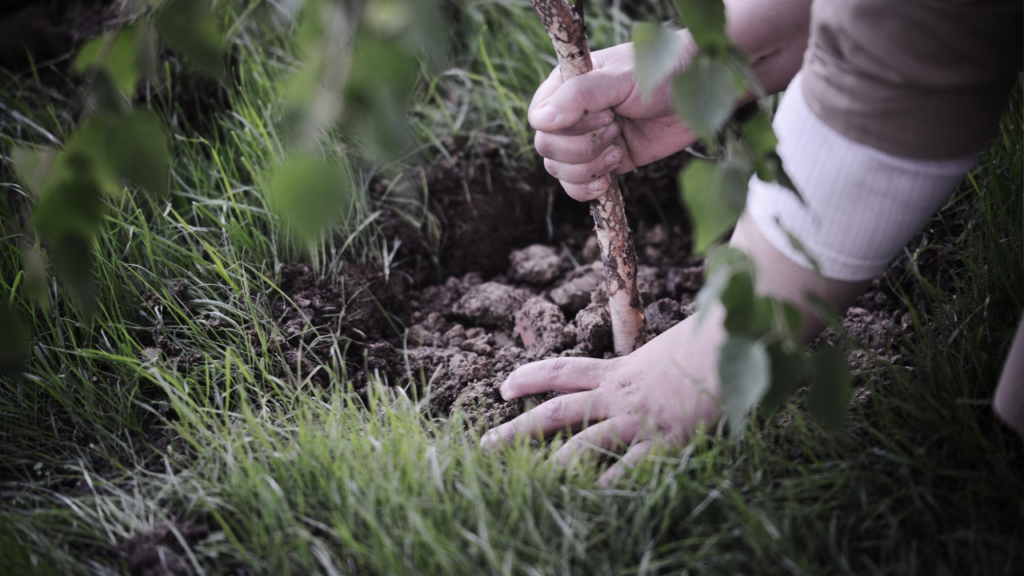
(382,77)
(308,194)
(719,267)
(14,341)
(138,151)
(829,395)
(26,165)
(703,95)
(71,206)
(759,134)
(705,19)
(654,48)
(121,63)
(744,369)
(191,28)
(789,372)
(33,262)
(746,312)
(416,25)
(89,148)
(72,259)
(715,195)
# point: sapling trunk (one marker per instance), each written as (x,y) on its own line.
(565,27)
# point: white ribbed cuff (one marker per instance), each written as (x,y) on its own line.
(861,205)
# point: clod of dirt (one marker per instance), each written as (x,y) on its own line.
(159,552)
(594,330)
(662,315)
(481,401)
(573,295)
(650,283)
(489,304)
(679,281)
(540,328)
(536,264)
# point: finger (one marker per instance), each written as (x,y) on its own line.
(564,412)
(555,375)
(576,149)
(589,123)
(548,87)
(577,97)
(604,436)
(587,192)
(588,171)
(627,462)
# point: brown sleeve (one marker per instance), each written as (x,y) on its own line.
(923,79)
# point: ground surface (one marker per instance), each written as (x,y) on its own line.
(240,406)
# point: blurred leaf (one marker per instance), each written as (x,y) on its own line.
(655,48)
(744,369)
(789,372)
(72,259)
(146,51)
(380,83)
(715,195)
(746,312)
(33,262)
(799,246)
(720,265)
(89,147)
(829,395)
(138,151)
(71,206)
(191,28)
(417,25)
(26,165)
(105,96)
(308,194)
(704,94)
(14,341)
(705,19)
(121,63)
(759,134)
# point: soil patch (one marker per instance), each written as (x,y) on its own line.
(521,281)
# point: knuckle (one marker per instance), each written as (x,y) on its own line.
(556,411)
(543,144)
(559,367)
(576,192)
(553,168)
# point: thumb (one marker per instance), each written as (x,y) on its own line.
(573,99)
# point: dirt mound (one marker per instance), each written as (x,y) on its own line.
(521,282)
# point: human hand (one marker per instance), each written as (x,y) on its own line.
(660,393)
(576,134)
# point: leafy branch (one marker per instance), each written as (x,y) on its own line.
(761,362)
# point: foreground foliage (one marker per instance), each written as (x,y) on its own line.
(240,463)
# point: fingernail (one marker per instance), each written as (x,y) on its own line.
(503,390)
(613,155)
(489,439)
(543,116)
(610,132)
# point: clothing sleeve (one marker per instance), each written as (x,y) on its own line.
(860,205)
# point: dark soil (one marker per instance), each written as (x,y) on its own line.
(160,551)
(520,281)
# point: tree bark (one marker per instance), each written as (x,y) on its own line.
(565,27)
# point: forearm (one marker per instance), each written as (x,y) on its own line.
(780,277)
(772,33)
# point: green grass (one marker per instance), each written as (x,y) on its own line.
(294,478)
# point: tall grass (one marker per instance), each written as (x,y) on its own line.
(286,477)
